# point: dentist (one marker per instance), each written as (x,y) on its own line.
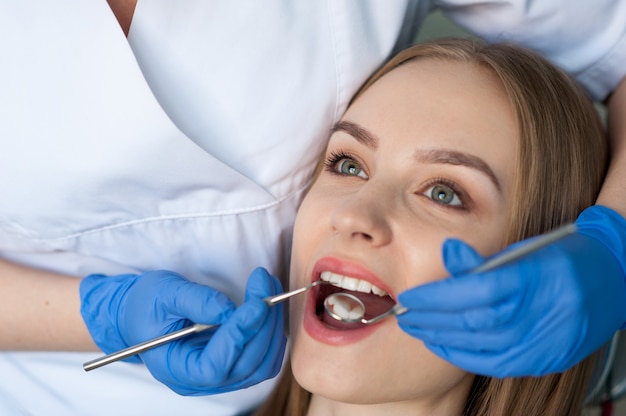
(153,153)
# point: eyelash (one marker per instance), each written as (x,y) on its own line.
(335,157)
(465,200)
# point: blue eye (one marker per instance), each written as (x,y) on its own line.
(344,164)
(351,168)
(444,194)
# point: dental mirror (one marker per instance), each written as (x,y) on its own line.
(348,308)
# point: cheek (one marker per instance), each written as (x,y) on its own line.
(311,227)
(424,262)
(304,241)
(306,238)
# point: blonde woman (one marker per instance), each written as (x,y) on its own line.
(450,140)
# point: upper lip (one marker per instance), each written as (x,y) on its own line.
(349,269)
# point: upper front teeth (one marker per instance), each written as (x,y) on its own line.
(351,283)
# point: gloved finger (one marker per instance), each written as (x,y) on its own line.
(264,353)
(198,303)
(166,362)
(229,344)
(486,319)
(276,350)
(463,293)
(459,257)
(245,350)
(215,362)
(258,359)
(262,284)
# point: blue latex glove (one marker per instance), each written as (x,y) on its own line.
(247,347)
(539,315)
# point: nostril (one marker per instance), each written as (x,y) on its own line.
(363,222)
(362,235)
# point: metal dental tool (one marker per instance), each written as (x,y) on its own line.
(353,309)
(193,329)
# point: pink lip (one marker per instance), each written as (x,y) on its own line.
(311,323)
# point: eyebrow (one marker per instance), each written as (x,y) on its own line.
(359,133)
(452,157)
(443,156)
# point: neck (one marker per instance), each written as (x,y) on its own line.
(448,406)
(123,11)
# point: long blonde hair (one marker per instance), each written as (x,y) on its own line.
(561,163)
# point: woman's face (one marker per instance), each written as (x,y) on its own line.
(426,153)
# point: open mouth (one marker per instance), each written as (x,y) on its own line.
(376,300)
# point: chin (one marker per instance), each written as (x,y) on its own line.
(352,375)
(332,389)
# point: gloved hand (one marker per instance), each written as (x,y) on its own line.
(244,350)
(539,315)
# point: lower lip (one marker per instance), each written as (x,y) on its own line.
(322,333)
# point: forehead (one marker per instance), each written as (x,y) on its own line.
(441,103)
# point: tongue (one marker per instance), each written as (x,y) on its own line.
(336,324)
(374,304)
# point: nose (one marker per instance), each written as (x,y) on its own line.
(364,217)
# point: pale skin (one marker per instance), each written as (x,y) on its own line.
(39,310)
(375,214)
(123,10)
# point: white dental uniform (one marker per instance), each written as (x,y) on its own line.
(188,145)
